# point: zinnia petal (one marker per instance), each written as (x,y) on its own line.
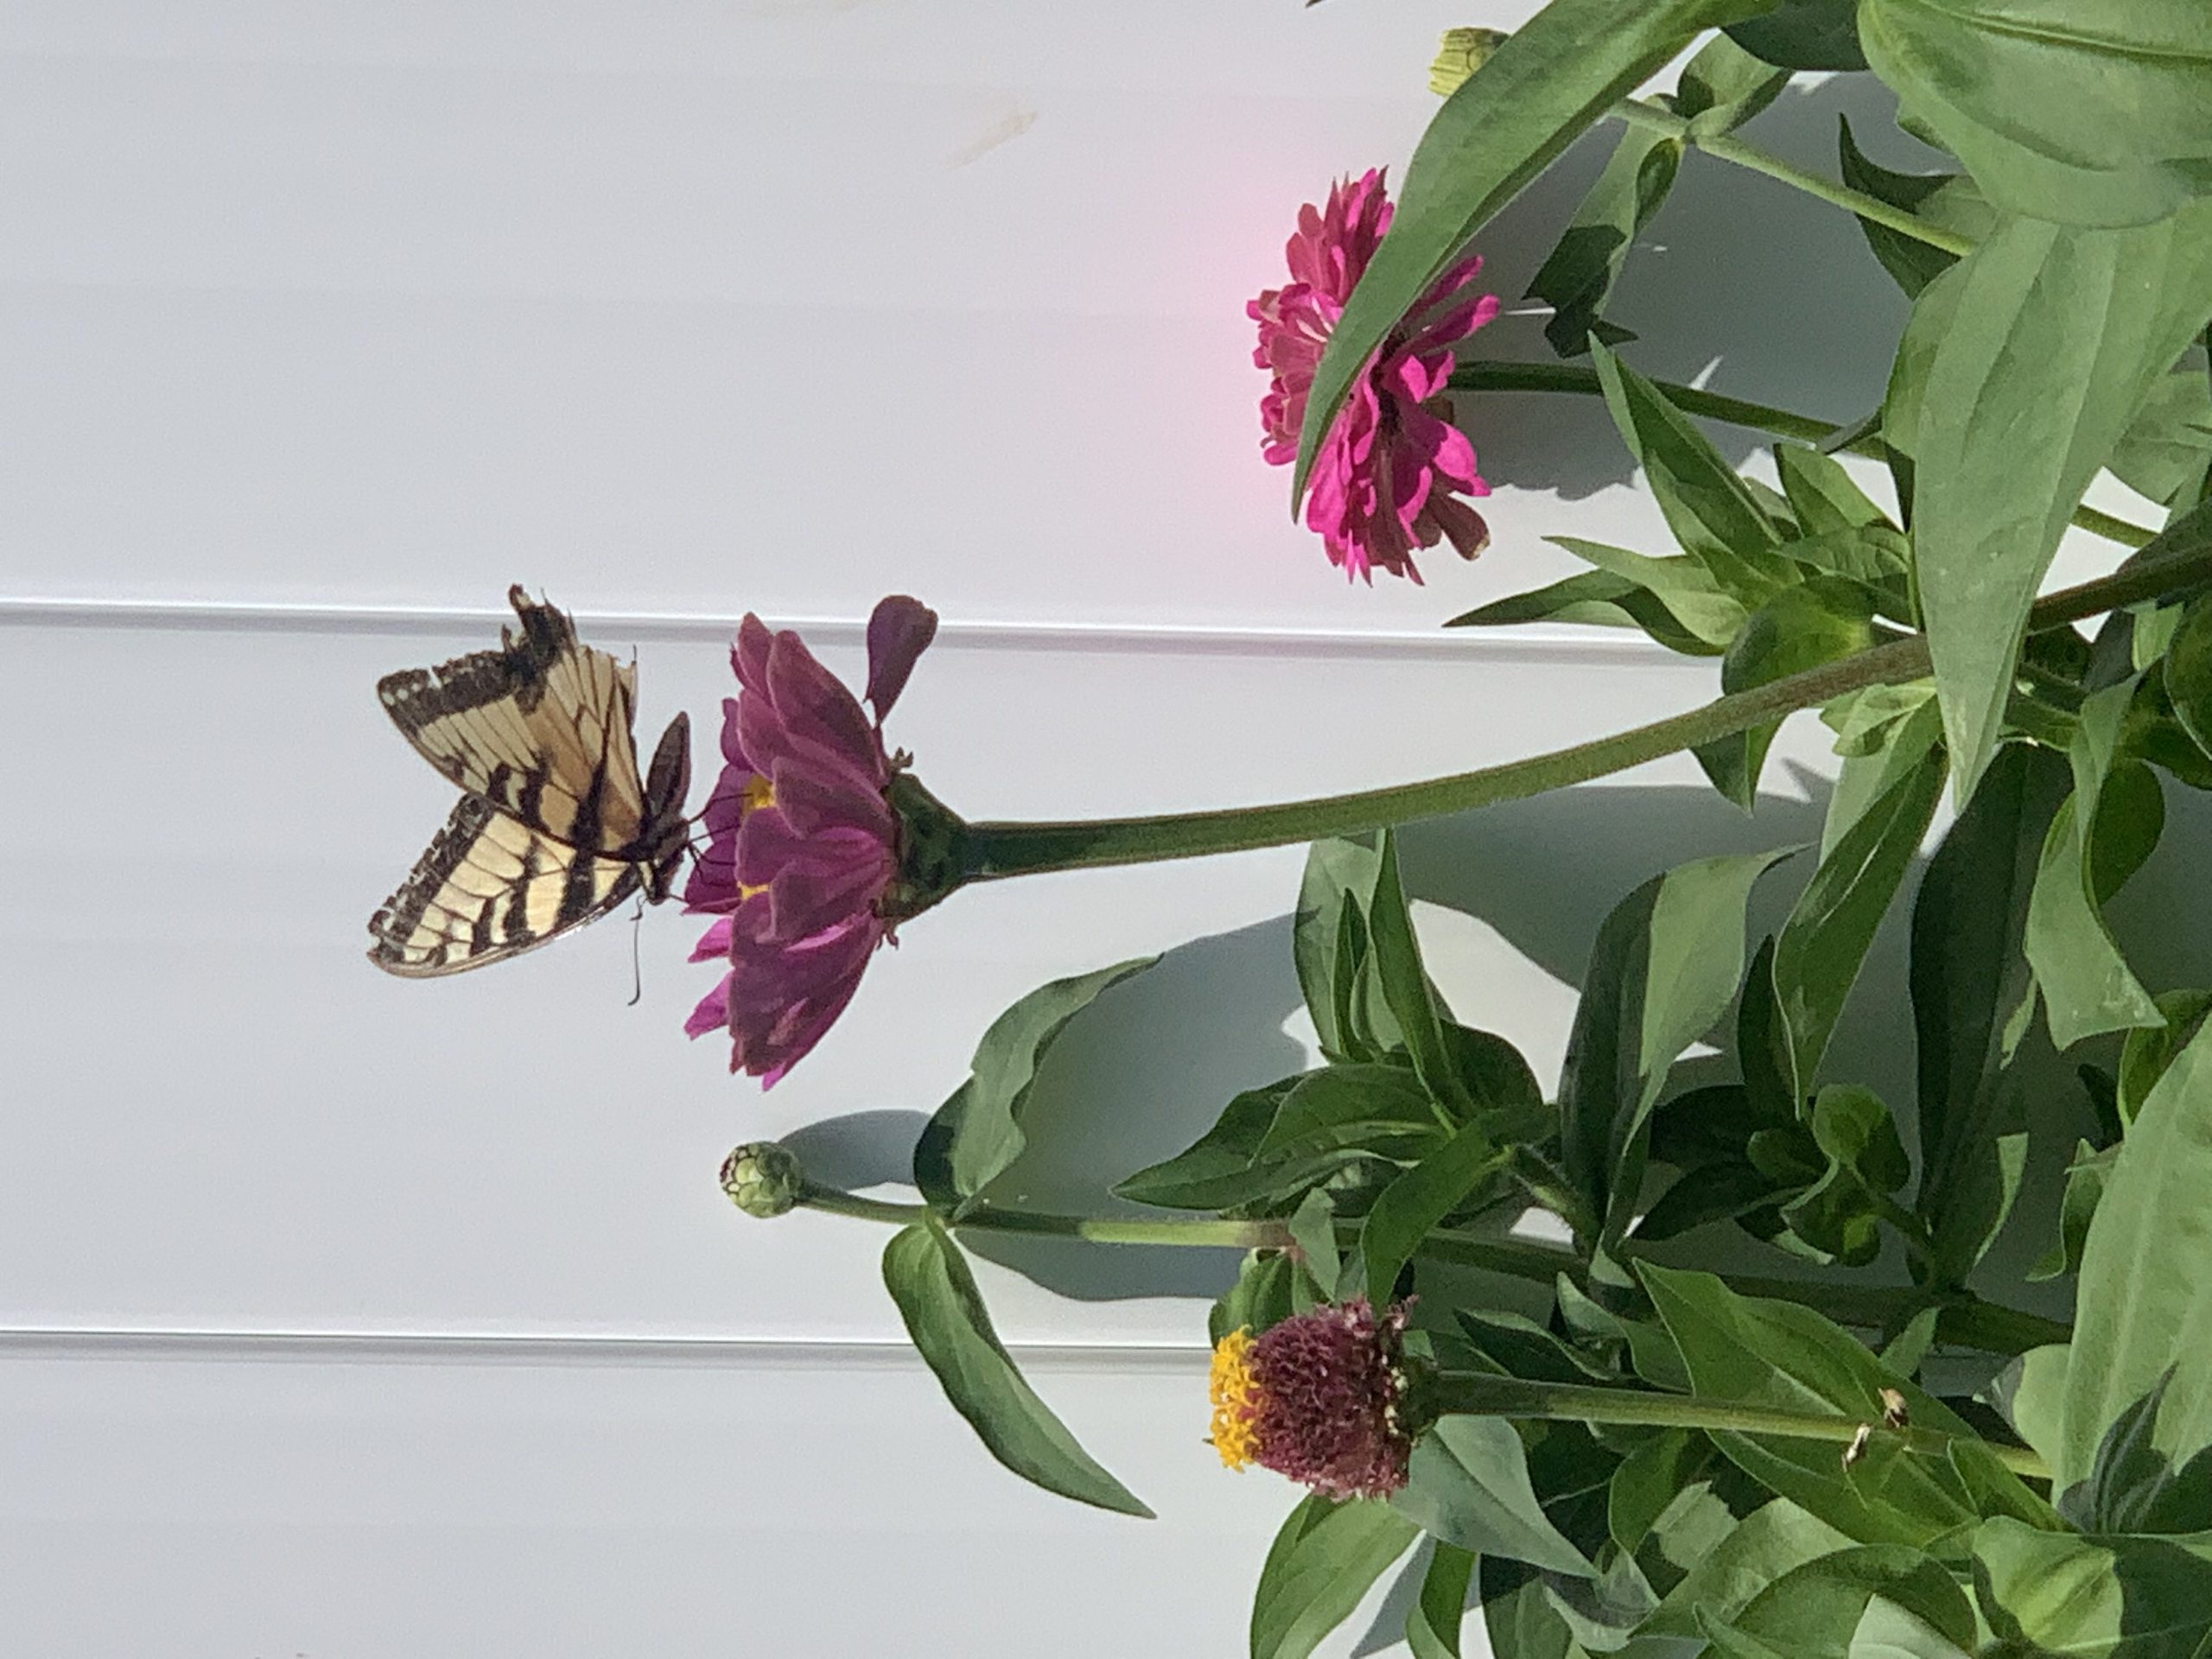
(899,630)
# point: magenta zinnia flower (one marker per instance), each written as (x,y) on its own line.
(1386,479)
(1317,1398)
(802,845)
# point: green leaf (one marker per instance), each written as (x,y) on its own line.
(1550,80)
(1519,1618)
(1679,584)
(2134,1486)
(1780,1355)
(1353,1106)
(1949,201)
(1215,1164)
(1313,1230)
(2049,1592)
(1821,494)
(2086,983)
(1723,85)
(1596,598)
(2083,111)
(1799,628)
(1881,751)
(2141,1310)
(1330,944)
(976,1136)
(2085,1189)
(1405,1210)
(1648,1480)
(1713,513)
(2148,1051)
(1885,1630)
(1664,966)
(1838,1215)
(2051,335)
(1323,1561)
(1260,1297)
(1432,1622)
(1823,945)
(1813,1612)
(1805,34)
(1468,1485)
(1971,993)
(2188,671)
(928,1278)
(1764,1546)
(1405,984)
(2162,454)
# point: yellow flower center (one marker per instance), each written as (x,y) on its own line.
(1236,1396)
(757,793)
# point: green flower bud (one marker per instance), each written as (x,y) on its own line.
(1463,51)
(763,1179)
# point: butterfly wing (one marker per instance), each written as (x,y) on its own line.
(540,728)
(491,887)
(554,826)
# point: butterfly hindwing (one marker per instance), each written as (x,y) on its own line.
(489,887)
(554,826)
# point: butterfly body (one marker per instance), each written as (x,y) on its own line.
(555,825)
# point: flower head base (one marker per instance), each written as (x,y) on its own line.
(1317,1398)
(763,1178)
(803,847)
(1386,479)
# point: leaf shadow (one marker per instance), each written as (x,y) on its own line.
(1704,302)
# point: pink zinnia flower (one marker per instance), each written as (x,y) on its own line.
(802,845)
(1386,478)
(1317,1398)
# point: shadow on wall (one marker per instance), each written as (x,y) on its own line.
(1145,1070)
(1805,321)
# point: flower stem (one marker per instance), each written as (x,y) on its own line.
(1722,147)
(1490,376)
(1474,1393)
(2179,561)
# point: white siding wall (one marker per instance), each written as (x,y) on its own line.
(346,1317)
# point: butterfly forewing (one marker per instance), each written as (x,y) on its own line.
(555,825)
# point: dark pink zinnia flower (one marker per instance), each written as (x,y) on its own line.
(1386,479)
(802,846)
(1317,1398)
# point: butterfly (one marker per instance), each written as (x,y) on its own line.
(554,826)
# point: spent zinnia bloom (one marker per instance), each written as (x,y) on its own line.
(1386,479)
(1317,1398)
(802,845)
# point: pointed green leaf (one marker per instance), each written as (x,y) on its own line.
(976,1136)
(1805,34)
(2053,1592)
(1468,1485)
(1432,1622)
(2141,1310)
(1597,599)
(928,1278)
(1664,966)
(1411,1206)
(2051,335)
(1324,1560)
(1949,201)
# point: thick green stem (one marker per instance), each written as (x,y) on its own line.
(1722,147)
(1473,1393)
(1580,377)
(994,851)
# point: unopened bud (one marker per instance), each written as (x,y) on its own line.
(1463,52)
(763,1179)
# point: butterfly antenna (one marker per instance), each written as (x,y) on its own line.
(637,957)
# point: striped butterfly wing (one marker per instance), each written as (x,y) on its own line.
(540,728)
(489,887)
(554,826)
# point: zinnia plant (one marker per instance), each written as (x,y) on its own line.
(1744,1359)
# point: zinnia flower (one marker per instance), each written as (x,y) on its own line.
(802,845)
(1386,479)
(1317,1398)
